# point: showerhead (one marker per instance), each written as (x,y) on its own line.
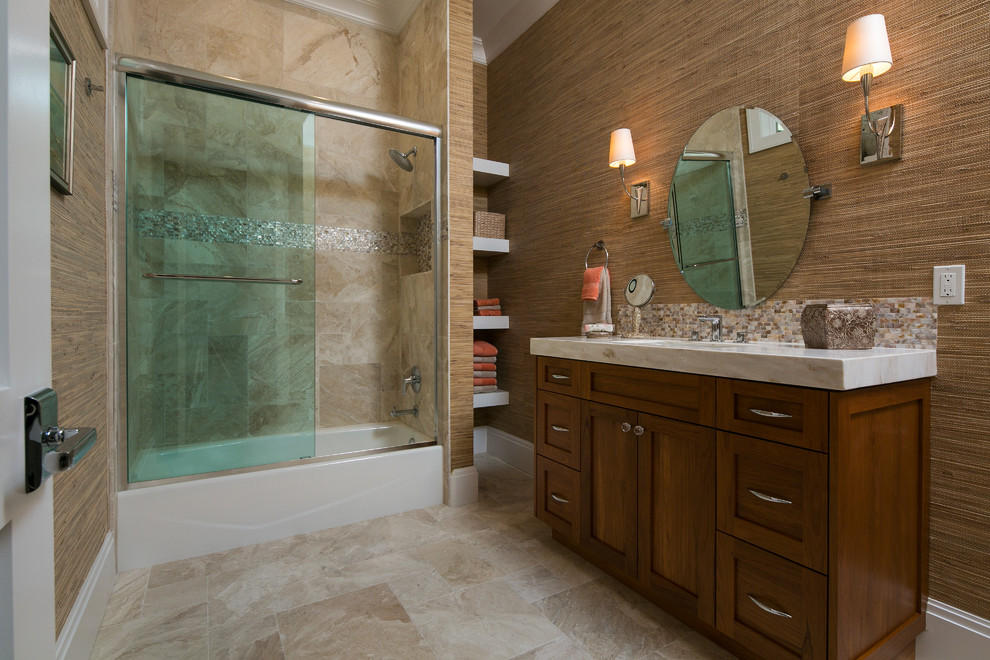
(402,159)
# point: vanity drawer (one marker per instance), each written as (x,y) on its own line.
(774,607)
(793,415)
(559,375)
(558,428)
(558,497)
(774,496)
(687,397)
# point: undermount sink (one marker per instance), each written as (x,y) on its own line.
(679,343)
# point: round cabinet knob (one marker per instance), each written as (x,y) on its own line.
(625,427)
(639,430)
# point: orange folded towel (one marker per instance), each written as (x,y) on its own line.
(486,301)
(485,381)
(489,312)
(592,281)
(484,349)
(484,366)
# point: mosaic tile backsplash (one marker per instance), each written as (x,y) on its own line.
(901,322)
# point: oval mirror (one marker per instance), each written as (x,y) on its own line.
(640,290)
(736,208)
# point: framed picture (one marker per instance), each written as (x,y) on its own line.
(62,81)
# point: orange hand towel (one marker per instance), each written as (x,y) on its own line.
(484,366)
(485,381)
(489,312)
(486,301)
(484,349)
(592,282)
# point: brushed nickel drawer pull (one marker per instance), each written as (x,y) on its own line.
(769,498)
(557,498)
(768,609)
(638,430)
(559,428)
(768,413)
(560,377)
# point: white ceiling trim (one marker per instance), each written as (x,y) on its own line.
(387,15)
(479,52)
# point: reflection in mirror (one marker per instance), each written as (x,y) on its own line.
(738,216)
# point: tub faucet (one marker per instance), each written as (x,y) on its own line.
(415,379)
(414,411)
(716,321)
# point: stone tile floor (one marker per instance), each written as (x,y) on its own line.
(481,581)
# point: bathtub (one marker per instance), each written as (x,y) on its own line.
(362,472)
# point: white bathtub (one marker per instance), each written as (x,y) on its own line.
(162,523)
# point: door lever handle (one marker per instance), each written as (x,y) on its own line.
(48,448)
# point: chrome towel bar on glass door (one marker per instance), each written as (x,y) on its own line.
(220,278)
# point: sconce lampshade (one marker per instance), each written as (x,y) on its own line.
(620,149)
(867,48)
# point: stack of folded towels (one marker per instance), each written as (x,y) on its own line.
(487,307)
(485,379)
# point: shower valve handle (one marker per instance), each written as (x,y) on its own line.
(415,379)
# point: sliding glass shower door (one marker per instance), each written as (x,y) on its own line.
(220,282)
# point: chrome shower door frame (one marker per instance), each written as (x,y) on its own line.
(124,66)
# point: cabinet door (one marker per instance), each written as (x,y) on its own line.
(677,513)
(608,485)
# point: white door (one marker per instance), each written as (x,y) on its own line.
(27,583)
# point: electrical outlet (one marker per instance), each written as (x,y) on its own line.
(949,285)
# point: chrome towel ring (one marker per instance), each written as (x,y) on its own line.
(600,245)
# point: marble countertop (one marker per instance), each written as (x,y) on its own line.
(789,364)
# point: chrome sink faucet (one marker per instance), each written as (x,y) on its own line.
(716,321)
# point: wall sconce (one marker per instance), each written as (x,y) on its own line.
(867,55)
(621,154)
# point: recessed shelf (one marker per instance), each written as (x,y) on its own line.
(488,399)
(486,247)
(489,172)
(491,322)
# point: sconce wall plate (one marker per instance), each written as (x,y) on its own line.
(642,207)
(886,147)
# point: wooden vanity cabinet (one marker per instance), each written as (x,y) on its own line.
(792,521)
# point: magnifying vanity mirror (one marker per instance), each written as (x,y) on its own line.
(639,293)
(737,211)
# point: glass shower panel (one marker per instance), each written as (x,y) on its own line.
(220,373)
(705,235)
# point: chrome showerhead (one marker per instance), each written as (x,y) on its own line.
(402,159)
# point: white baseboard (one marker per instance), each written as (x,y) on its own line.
(480,439)
(80,629)
(953,633)
(463,486)
(509,448)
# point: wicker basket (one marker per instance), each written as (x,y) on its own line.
(489,225)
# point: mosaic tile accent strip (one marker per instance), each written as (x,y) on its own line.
(246,231)
(346,239)
(901,322)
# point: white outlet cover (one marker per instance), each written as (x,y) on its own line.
(959,298)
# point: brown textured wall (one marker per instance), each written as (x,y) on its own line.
(480,80)
(460,144)
(79,319)
(590,66)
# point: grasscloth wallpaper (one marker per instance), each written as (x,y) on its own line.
(660,69)
(79,320)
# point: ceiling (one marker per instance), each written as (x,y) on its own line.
(497,23)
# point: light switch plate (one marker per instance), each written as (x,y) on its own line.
(949,285)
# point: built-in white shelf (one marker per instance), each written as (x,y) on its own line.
(488,399)
(491,322)
(489,172)
(487,247)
